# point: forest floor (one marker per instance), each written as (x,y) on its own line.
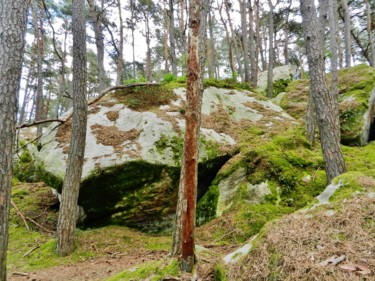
(101,253)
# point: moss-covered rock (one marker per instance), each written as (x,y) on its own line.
(134,146)
(356,97)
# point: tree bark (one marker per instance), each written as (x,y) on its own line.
(211,49)
(231,57)
(245,39)
(348,49)
(96,21)
(38,14)
(233,39)
(369,33)
(183,240)
(252,49)
(68,209)
(12,41)
(271,52)
(325,109)
(172,41)
(166,39)
(120,59)
(332,7)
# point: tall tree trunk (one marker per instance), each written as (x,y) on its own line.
(271,52)
(183,238)
(38,17)
(183,31)
(26,97)
(348,48)
(252,49)
(133,38)
(332,7)
(120,59)
(97,20)
(231,57)
(211,49)
(233,39)
(189,177)
(148,49)
(311,122)
(369,32)
(166,39)
(12,39)
(325,109)
(172,41)
(66,225)
(245,39)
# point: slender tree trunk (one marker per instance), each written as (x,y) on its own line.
(27,90)
(120,59)
(311,122)
(325,109)
(188,180)
(133,38)
(332,7)
(166,38)
(12,39)
(348,48)
(211,49)
(233,40)
(172,41)
(183,31)
(369,32)
(38,15)
(271,52)
(245,40)
(99,41)
(252,49)
(148,49)
(231,57)
(68,209)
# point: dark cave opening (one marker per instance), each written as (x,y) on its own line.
(371,135)
(207,172)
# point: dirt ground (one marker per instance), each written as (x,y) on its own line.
(94,269)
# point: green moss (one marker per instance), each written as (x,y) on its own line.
(219,273)
(144,97)
(353,182)
(153,271)
(206,207)
(226,84)
(24,167)
(251,218)
(49,178)
(175,143)
(135,194)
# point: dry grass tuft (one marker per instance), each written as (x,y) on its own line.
(293,247)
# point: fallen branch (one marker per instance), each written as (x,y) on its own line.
(19,213)
(40,226)
(25,125)
(20,273)
(32,250)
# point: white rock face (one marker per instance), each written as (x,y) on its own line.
(152,136)
(280,72)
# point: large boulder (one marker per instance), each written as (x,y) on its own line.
(356,98)
(134,146)
(284,72)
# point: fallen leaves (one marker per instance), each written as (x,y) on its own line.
(333,260)
(360,268)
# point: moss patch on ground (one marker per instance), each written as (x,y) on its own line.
(153,271)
